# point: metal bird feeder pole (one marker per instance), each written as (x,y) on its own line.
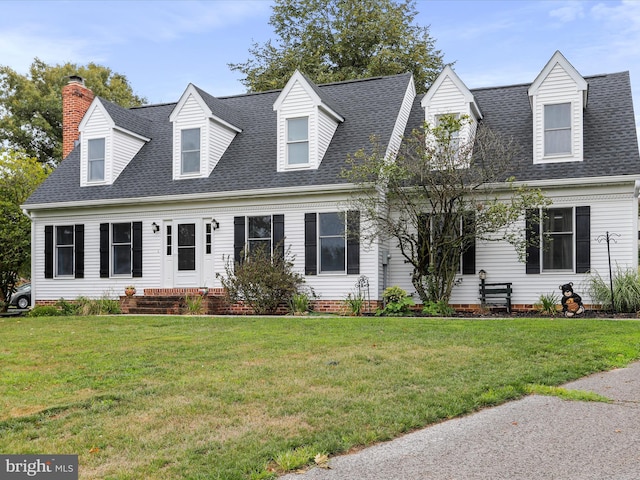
(608,239)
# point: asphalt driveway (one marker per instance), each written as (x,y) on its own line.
(537,437)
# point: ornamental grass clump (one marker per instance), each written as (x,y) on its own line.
(626,291)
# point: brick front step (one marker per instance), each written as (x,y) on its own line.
(172,305)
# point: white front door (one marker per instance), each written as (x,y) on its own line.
(186,252)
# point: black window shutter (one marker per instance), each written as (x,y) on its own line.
(533,240)
(136,268)
(238,238)
(469,251)
(104,250)
(583,239)
(353,242)
(48,251)
(424,232)
(278,234)
(79,248)
(310,244)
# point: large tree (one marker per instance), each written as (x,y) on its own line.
(335,40)
(439,196)
(31,104)
(20,175)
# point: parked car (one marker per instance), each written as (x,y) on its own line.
(21,298)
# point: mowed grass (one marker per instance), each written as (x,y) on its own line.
(246,398)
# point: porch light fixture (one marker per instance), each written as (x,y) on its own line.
(214,224)
(482,275)
(155,228)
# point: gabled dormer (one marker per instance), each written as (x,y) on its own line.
(203,129)
(110,136)
(558,97)
(306,122)
(450,96)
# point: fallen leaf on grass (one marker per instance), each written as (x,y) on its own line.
(322,461)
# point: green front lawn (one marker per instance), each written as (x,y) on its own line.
(237,398)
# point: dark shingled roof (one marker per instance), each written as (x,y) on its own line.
(250,161)
(127,119)
(370,107)
(610,139)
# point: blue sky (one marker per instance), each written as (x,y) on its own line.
(162,46)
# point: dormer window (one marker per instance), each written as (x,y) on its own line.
(558,98)
(557,129)
(298,141)
(306,122)
(190,150)
(96,154)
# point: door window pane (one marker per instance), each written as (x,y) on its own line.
(186,246)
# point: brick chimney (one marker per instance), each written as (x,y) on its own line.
(76,99)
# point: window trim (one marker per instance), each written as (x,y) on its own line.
(56,249)
(103,159)
(546,236)
(289,142)
(321,271)
(113,244)
(258,239)
(570,128)
(190,173)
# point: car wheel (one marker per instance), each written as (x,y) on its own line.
(23,302)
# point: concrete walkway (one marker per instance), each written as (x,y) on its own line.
(537,437)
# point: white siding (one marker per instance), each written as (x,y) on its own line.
(613,209)
(219,140)
(125,147)
(558,87)
(326,128)
(334,286)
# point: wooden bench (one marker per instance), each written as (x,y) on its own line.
(496,294)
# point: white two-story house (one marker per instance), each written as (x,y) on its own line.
(162,196)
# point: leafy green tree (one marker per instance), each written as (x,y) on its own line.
(439,196)
(31,104)
(20,175)
(335,40)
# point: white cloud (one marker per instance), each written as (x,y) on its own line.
(569,12)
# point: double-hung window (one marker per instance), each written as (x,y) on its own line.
(298,141)
(557,129)
(64,250)
(557,239)
(121,247)
(259,234)
(190,150)
(333,242)
(95,155)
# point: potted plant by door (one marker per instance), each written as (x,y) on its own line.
(129,290)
